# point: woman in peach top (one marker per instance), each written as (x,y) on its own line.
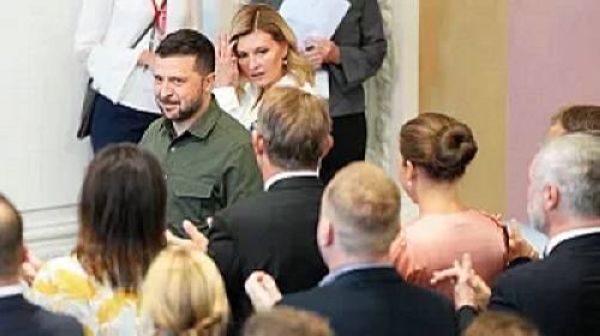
(435,152)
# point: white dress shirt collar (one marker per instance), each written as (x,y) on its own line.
(570,234)
(6,291)
(289,174)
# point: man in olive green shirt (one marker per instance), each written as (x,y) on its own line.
(206,154)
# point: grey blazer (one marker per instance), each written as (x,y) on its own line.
(362,47)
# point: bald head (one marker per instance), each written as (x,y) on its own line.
(11,238)
(363,204)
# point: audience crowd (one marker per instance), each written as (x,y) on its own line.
(221,221)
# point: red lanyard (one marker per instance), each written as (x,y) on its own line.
(160,16)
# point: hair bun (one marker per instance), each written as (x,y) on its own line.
(455,149)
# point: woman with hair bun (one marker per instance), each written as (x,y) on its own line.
(435,152)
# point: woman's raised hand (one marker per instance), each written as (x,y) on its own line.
(226,65)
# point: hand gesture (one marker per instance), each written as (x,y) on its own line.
(262,290)
(197,239)
(469,288)
(226,64)
(30,266)
(518,247)
(319,51)
(146,59)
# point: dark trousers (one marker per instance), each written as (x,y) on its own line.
(114,123)
(349,144)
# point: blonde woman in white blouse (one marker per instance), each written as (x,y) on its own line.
(259,52)
(122,75)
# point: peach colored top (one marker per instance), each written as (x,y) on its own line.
(433,242)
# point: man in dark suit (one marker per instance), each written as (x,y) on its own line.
(275,230)
(354,53)
(363,294)
(17,316)
(561,292)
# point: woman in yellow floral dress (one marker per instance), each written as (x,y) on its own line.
(122,221)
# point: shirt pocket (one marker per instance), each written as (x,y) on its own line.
(193,200)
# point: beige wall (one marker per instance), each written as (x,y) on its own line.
(463,66)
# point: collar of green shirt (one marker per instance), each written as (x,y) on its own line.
(202,126)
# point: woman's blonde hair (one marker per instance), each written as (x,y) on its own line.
(251,18)
(184,293)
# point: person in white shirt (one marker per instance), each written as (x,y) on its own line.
(122,73)
(259,52)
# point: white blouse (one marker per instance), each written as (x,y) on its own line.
(105,33)
(244,108)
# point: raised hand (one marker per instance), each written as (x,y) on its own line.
(518,247)
(320,50)
(226,64)
(262,290)
(197,239)
(469,288)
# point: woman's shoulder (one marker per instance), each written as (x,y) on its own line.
(68,263)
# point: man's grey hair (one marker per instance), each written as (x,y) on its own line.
(571,163)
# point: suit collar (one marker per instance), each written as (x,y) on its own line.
(363,275)
(567,236)
(590,241)
(295,182)
(6,291)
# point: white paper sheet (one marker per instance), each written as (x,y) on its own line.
(319,18)
(314,18)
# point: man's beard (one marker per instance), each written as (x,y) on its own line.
(537,219)
(185,112)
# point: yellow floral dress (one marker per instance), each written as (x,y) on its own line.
(63,286)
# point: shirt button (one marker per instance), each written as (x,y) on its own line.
(165,176)
(172,149)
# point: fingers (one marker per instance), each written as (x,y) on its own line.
(196,236)
(448,274)
(262,290)
(221,46)
(174,240)
(467,263)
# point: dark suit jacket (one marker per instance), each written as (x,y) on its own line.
(18,317)
(273,231)
(363,46)
(378,302)
(560,293)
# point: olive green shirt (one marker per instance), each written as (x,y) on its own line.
(208,167)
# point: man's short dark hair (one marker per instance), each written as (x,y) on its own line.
(188,42)
(11,238)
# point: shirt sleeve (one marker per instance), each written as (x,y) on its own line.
(241,177)
(109,65)
(358,63)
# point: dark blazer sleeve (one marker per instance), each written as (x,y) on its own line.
(504,296)
(359,62)
(222,248)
